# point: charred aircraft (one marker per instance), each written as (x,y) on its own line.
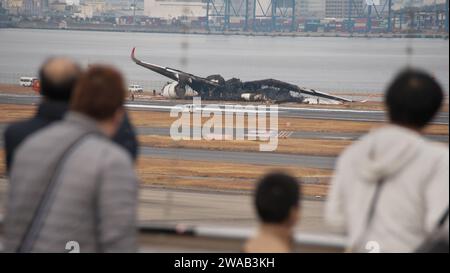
(215,87)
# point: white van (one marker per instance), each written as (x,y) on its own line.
(27,81)
(135,88)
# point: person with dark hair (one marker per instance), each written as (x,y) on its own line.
(390,189)
(57,77)
(277,203)
(413,99)
(70,184)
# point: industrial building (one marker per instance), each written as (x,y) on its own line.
(360,16)
(341,8)
(311,8)
(174,8)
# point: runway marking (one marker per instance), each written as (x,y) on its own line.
(196,109)
(331,110)
(148,106)
(221,108)
(295,108)
(19,95)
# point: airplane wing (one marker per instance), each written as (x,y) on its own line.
(171,73)
(324,95)
(295,88)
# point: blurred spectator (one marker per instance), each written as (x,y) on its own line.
(438,241)
(390,189)
(57,77)
(276,200)
(70,182)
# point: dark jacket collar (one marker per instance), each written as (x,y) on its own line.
(52,110)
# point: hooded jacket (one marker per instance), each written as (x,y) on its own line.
(412,199)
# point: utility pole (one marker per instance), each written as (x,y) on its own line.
(227,15)
(436,14)
(246,16)
(401,19)
(349,19)
(274,15)
(369,18)
(446,16)
(254,15)
(294,25)
(207,15)
(134,13)
(389,16)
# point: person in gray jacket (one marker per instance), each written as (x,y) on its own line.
(72,188)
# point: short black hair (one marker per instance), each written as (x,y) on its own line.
(413,98)
(57,90)
(276,194)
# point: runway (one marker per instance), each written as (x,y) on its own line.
(284,111)
(322,162)
(295,134)
(259,158)
(164,131)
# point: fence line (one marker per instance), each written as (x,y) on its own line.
(156,238)
(147,85)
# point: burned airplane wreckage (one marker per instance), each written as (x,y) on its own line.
(215,87)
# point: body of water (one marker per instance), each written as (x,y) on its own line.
(327,64)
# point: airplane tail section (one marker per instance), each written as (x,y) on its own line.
(133,57)
(174,74)
(155,68)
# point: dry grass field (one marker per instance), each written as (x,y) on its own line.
(162,119)
(2,163)
(289,146)
(221,176)
(215,176)
(16,89)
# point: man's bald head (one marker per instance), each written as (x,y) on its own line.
(58,77)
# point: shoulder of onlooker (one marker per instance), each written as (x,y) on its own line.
(438,150)
(351,151)
(19,128)
(57,129)
(112,153)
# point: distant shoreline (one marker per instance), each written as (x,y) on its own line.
(251,34)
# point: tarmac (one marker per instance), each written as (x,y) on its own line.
(283,111)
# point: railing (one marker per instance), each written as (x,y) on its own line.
(180,238)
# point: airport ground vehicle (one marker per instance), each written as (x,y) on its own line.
(135,88)
(27,81)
